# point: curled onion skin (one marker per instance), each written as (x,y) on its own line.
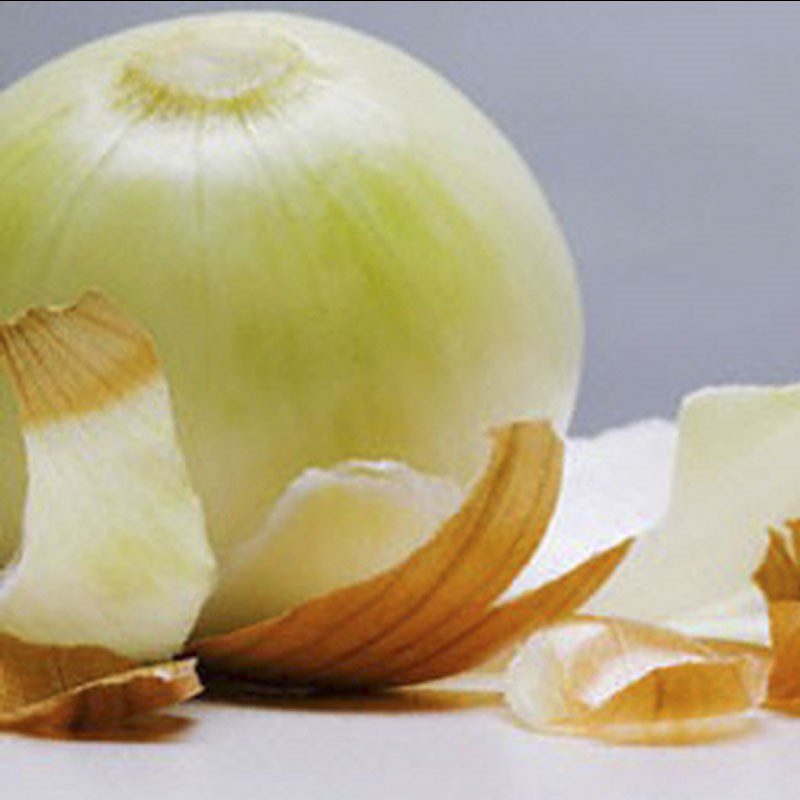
(338,255)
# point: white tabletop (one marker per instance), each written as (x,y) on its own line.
(332,750)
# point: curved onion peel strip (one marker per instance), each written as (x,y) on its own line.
(626,681)
(778,578)
(784,676)
(778,575)
(511,621)
(113,550)
(60,689)
(329,529)
(735,473)
(434,613)
(615,485)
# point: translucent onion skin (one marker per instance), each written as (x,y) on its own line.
(338,255)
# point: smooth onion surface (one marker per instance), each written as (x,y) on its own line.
(338,255)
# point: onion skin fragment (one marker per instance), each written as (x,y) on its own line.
(331,528)
(114,551)
(510,622)
(434,614)
(445,586)
(734,475)
(778,578)
(53,691)
(615,485)
(626,681)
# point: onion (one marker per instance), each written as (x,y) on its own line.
(338,255)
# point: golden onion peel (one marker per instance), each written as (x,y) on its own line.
(338,255)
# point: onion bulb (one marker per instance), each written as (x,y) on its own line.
(338,255)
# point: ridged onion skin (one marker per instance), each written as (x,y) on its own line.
(347,524)
(114,552)
(339,256)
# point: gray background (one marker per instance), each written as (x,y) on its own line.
(667,136)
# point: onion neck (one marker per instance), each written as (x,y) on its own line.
(226,72)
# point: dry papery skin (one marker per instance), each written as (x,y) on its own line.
(431,616)
(625,681)
(95,479)
(778,578)
(434,614)
(112,545)
(53,690)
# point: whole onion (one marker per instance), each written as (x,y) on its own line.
(338,255)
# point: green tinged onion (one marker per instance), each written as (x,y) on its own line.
(338,255)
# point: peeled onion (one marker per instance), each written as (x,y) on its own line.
(338,255)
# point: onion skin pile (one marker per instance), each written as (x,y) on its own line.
(339,257)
